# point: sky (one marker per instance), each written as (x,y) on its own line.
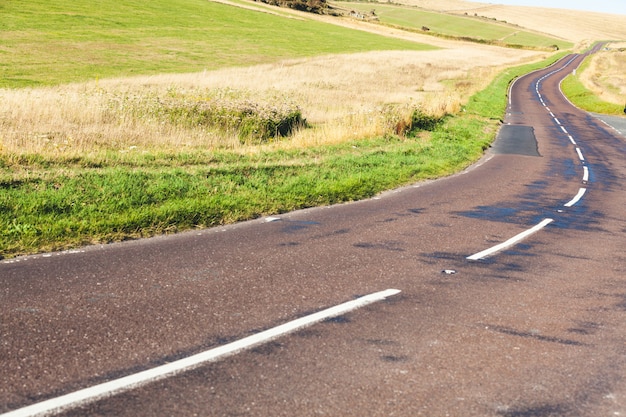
(604,6)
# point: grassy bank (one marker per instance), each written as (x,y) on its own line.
(587,100)
(55,203)
(599,77)
(73,205)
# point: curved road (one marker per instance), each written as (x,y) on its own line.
(482,325)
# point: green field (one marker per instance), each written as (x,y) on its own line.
(49,202)
(56,42)
(442,24)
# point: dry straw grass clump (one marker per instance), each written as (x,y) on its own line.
(314,101)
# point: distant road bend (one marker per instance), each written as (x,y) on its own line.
(500,291)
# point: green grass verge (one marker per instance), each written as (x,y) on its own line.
(62,206)
(465,27)
(51,204)
(46,43)
(585,99)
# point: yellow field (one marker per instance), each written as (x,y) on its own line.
(343,96)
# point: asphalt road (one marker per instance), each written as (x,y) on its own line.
(537,328)
(616,123)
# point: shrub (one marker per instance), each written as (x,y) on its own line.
(251,122)
(408,123)
(313,6)
(423,121)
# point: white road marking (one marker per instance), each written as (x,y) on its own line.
(616,130)
(580,154)
(512,241)
(578,196)
(545,222)
(44,255)
(129,382)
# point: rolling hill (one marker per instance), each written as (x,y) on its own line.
(576,26)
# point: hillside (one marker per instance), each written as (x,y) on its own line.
(47,43)
(463,27)
(577,26)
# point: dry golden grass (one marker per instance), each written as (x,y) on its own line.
(344,97)
(605,75)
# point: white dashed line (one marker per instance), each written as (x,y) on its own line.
(576,199)
(512,241)
(580,154)
(129,382)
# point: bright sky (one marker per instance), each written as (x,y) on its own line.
(605,6)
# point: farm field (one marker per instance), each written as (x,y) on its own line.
(107,118)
